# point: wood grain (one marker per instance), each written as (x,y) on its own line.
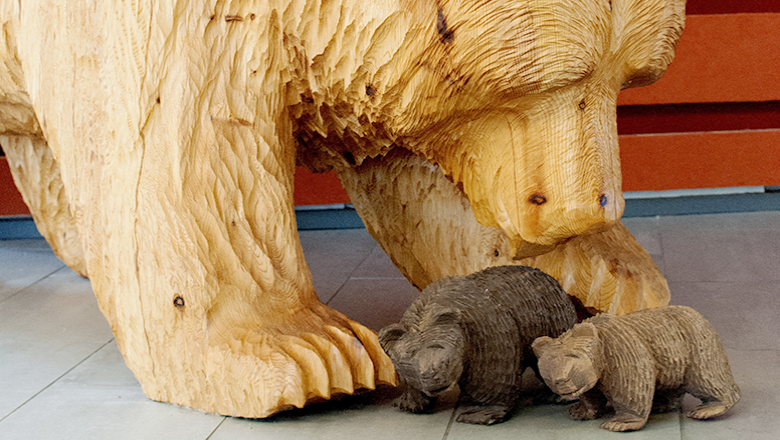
(177,127)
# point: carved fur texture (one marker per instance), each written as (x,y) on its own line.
(475,331)
(156,144)
(643,361)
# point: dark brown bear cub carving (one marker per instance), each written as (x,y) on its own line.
(475,331)
(637,362)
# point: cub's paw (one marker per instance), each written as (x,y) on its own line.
(484,415)
(708,411)
(414,402)
(546,396)
(581,411)
(624,422)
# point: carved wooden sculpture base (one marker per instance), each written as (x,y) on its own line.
(173,133)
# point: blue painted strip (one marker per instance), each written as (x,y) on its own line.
(18,228)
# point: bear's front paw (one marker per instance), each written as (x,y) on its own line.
(414,402)
(581,411)
(624,422)
(484,415)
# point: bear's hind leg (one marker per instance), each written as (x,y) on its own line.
(714,403)
(712,382)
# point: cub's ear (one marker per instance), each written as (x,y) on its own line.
(445,317)
(390,334)
(540,344)
(585,330)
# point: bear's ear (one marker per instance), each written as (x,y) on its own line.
(585,330)
(446,316)
(540,344)
(390,334)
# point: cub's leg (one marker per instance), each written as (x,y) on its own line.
(632,409)
(414,401)
(485,414)
(710,378)
(591,406)
(666,401)
(717,396)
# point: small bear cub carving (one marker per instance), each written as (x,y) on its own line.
(475,331)
(645,360)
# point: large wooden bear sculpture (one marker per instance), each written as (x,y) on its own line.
(155,143)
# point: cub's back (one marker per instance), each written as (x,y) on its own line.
(674,335)
(530,299)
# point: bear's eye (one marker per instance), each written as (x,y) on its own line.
(436,346)
(571,356)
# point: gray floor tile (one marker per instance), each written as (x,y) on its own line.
(355,418)
(647,232)
(27,368)
(23,262)
(47,329)
(552,422)
(755,416)
(722,248)
(56,382)
(374,302)
(100,399)
(377,265)
(61,307)
(746,315)
(333,255)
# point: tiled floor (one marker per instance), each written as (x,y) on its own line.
(61,376)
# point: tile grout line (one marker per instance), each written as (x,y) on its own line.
(452,419)
(34,282)
(218,426)
(56,380)
(349,277)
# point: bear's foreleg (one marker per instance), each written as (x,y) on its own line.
(177,159)
(426,225)
(415,401)
(591,406)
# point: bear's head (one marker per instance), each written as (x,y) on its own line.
(428,356)
(568,363)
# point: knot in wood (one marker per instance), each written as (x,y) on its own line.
(537,199)
(178,301)
(447,36)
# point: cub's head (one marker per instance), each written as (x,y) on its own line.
(567,363)
(428,356)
